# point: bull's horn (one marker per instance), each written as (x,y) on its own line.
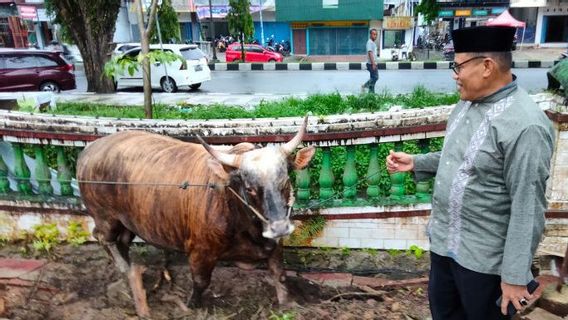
(225,158)
(289,147)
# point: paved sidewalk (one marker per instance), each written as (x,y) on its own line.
(136,98)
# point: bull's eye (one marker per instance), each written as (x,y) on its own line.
(251,191)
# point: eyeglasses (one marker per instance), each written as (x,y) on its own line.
(457,67)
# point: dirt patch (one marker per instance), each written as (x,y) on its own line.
(83,283)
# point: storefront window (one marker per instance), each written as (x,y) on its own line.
(556,28)
(392,38)
(330,41)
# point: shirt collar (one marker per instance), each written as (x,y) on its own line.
(499,94)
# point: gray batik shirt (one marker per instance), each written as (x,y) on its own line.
(489,199)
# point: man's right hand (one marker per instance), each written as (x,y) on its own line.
(399,162)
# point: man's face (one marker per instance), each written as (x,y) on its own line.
(468,73)
(373,35)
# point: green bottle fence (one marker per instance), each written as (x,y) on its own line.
(346,182)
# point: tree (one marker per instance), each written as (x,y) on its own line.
(121,64)
(169,24)
(144,50)
(429,9)
(240,21)
(91,25)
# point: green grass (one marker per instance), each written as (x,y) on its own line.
(316,105)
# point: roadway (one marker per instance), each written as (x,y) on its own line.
(345,82)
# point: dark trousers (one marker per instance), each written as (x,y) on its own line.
(456,293)
(374,74)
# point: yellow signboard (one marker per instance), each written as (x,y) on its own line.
(397,23)
(463,13)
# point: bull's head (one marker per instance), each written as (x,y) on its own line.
(262,176)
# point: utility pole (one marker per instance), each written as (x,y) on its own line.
(261,25)
(212,31)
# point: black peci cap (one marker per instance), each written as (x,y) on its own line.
(483,39)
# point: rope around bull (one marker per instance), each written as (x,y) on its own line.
(186,185)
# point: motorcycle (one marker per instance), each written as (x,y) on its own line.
(394,54)
(449,51)
(283,47)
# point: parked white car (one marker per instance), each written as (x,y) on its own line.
(190,73)
(123,47)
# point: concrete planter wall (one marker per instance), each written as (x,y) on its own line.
(380,227)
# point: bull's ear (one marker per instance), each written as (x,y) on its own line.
(218,170)
(303,157)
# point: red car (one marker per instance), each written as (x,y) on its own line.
(253,53)
(35,70)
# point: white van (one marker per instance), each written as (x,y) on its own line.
(191,73)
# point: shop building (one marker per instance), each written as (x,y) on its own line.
(24,23)
(398,29)
(527,11)
(552,24)
(329,27)
(459,14)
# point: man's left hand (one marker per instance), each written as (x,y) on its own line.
(518,295)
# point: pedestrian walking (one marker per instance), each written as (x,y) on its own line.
(489,199)
(371,62)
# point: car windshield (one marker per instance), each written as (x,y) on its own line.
(192,53)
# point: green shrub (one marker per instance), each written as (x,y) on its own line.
(76,234)
(45,237)
(317,105)
(282,315)
(416,251)
(306,232)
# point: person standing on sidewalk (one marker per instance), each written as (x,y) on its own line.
(371,62)
(489,198)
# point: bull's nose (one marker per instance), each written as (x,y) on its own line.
(279,229)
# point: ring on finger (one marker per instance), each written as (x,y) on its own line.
(523,302)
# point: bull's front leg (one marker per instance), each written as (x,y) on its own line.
(201,265)
(278,274)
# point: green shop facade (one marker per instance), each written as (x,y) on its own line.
(329,27)
(462,17)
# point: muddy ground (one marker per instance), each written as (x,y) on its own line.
(83,283)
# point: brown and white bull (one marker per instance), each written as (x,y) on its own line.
(212,221)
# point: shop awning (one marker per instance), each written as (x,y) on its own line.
(507,20)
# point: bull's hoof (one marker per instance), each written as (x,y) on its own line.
(194,303)
(288,304)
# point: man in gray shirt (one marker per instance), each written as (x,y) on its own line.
(371,62)
(489,199)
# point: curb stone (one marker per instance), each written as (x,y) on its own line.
(342,66)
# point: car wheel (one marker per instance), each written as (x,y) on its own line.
(271,60)
(49,86)
(168,85)
(195,86)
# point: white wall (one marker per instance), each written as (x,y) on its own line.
(123,31)
(549,11)
(386,53)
